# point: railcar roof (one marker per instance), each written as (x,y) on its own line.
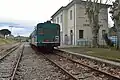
(47,24)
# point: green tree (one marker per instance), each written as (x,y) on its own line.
(112,31)
(5,32)
(115,11)
(93,8)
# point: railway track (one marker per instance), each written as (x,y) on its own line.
(9,63)
(65,71)
(103,66)
(78,70)
(3,48)
(100,71)
(17,64)
(6,52)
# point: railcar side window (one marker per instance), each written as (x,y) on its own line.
(57,31)
(41,31)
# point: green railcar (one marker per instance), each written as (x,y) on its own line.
(46,35)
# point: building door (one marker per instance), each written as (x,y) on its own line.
(71,37)
(81,34)
(61,38)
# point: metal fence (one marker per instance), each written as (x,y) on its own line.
(84,42)
(114,40)
(88,43)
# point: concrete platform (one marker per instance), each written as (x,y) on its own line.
(90,57)
(67,46)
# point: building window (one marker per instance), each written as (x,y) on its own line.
(103,32)
(87,20)
(70,14)
(57,19)
(54,20)
(86,25)
(80,34)
(71,32)
(61,18)
(71,37)
(101,25)
(100,22)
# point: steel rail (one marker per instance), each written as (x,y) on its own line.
(106,73)
(17,64)
(115,60)
(60,67)
(11,50)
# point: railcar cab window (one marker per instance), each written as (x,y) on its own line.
(40,31)
(58,31)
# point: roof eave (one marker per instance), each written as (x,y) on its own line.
(58,11)
(69,5)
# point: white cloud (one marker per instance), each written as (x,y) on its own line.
(28,13)
(4,27)
(19,31)
(39,10)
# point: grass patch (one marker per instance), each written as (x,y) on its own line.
(6,41)
(110,54)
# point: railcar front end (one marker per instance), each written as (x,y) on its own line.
(46,35)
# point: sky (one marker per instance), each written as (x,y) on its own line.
(23,15)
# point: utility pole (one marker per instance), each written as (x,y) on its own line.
(11,29)
(19,38)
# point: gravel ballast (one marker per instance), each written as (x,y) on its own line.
(7,65)
(35,67)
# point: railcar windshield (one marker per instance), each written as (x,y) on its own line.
(50,31)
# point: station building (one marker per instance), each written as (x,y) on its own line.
(75,26)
